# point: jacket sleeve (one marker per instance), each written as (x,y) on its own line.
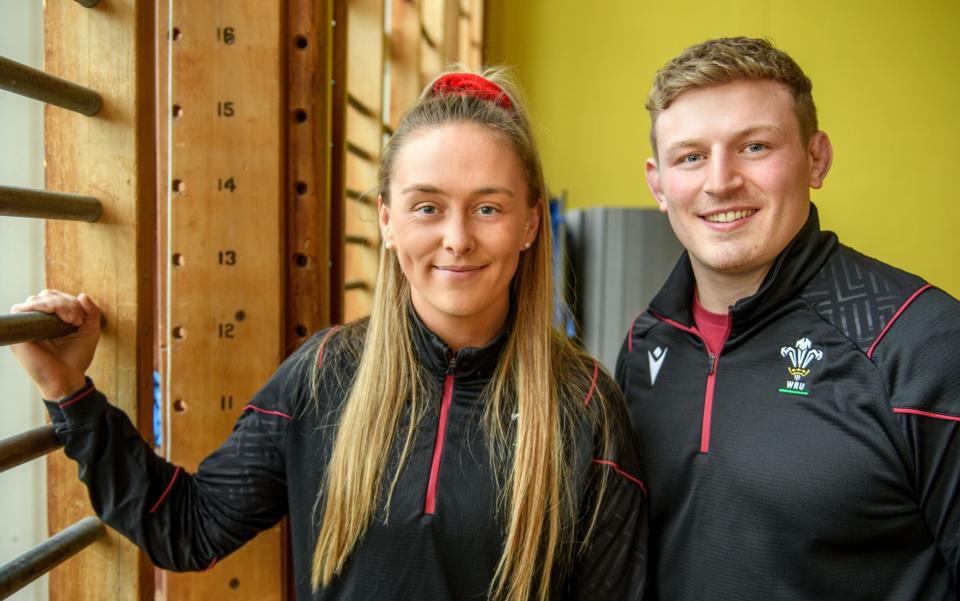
(184,521)
(614,563)
(919,355)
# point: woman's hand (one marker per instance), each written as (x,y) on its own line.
(57,366)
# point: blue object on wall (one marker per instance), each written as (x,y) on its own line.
(562,314)
(157,413)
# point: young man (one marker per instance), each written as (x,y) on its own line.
(798,402)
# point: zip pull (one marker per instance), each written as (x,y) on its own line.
(713,363)
(452,363)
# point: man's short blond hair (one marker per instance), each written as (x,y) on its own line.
(726,60)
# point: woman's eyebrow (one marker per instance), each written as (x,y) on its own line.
(431,189)
(487,190)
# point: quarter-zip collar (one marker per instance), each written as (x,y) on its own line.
(791,271)
(476,363)
(437,357)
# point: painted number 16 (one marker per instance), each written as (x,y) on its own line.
(226,35)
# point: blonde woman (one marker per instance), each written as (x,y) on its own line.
(450,446)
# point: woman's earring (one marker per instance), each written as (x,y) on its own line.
(526,245)
(388,244)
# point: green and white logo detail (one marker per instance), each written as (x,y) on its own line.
(800,356)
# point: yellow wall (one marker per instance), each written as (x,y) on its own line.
(886,77)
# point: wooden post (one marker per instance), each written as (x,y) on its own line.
(338,145)
(312,303)
(224,248)
(109,156)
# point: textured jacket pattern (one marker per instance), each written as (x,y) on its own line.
(445,531)
(817,455)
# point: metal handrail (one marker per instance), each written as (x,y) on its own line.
(32,325)
(43,204)
(36,84)
(49,554)
(26,446)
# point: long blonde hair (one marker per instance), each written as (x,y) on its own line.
(540,376)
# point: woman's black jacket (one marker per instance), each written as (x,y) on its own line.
(444,533)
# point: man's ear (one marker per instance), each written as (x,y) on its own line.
(653,182)
(820,154)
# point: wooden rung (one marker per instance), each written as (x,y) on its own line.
(27,446)
(47,555)
(361,174)
(32,325)
(36,84)
(360,241)
(360,152)
(42,204)
(359,196)
(431,63)
(357,285)
(364,132)
(426,37)
(360,106)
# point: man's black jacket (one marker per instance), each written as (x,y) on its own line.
(817,456)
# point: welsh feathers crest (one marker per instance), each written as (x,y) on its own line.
(800,356)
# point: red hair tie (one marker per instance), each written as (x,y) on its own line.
(468,84)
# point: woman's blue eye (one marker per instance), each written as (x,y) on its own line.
(756,147)
(427,209)
(488,210)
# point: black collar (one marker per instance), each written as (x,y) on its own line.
(438,359)
(791,271)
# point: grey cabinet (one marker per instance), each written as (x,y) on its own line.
(618,258)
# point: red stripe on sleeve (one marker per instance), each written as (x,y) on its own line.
(617,469)
(952,418)
(633,324)
(166,491)
(899,312)
(593,384)
(267,412)
(80,396)
(323,345)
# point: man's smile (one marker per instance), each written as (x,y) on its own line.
(729,216)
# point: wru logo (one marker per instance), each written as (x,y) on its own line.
(801,355)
